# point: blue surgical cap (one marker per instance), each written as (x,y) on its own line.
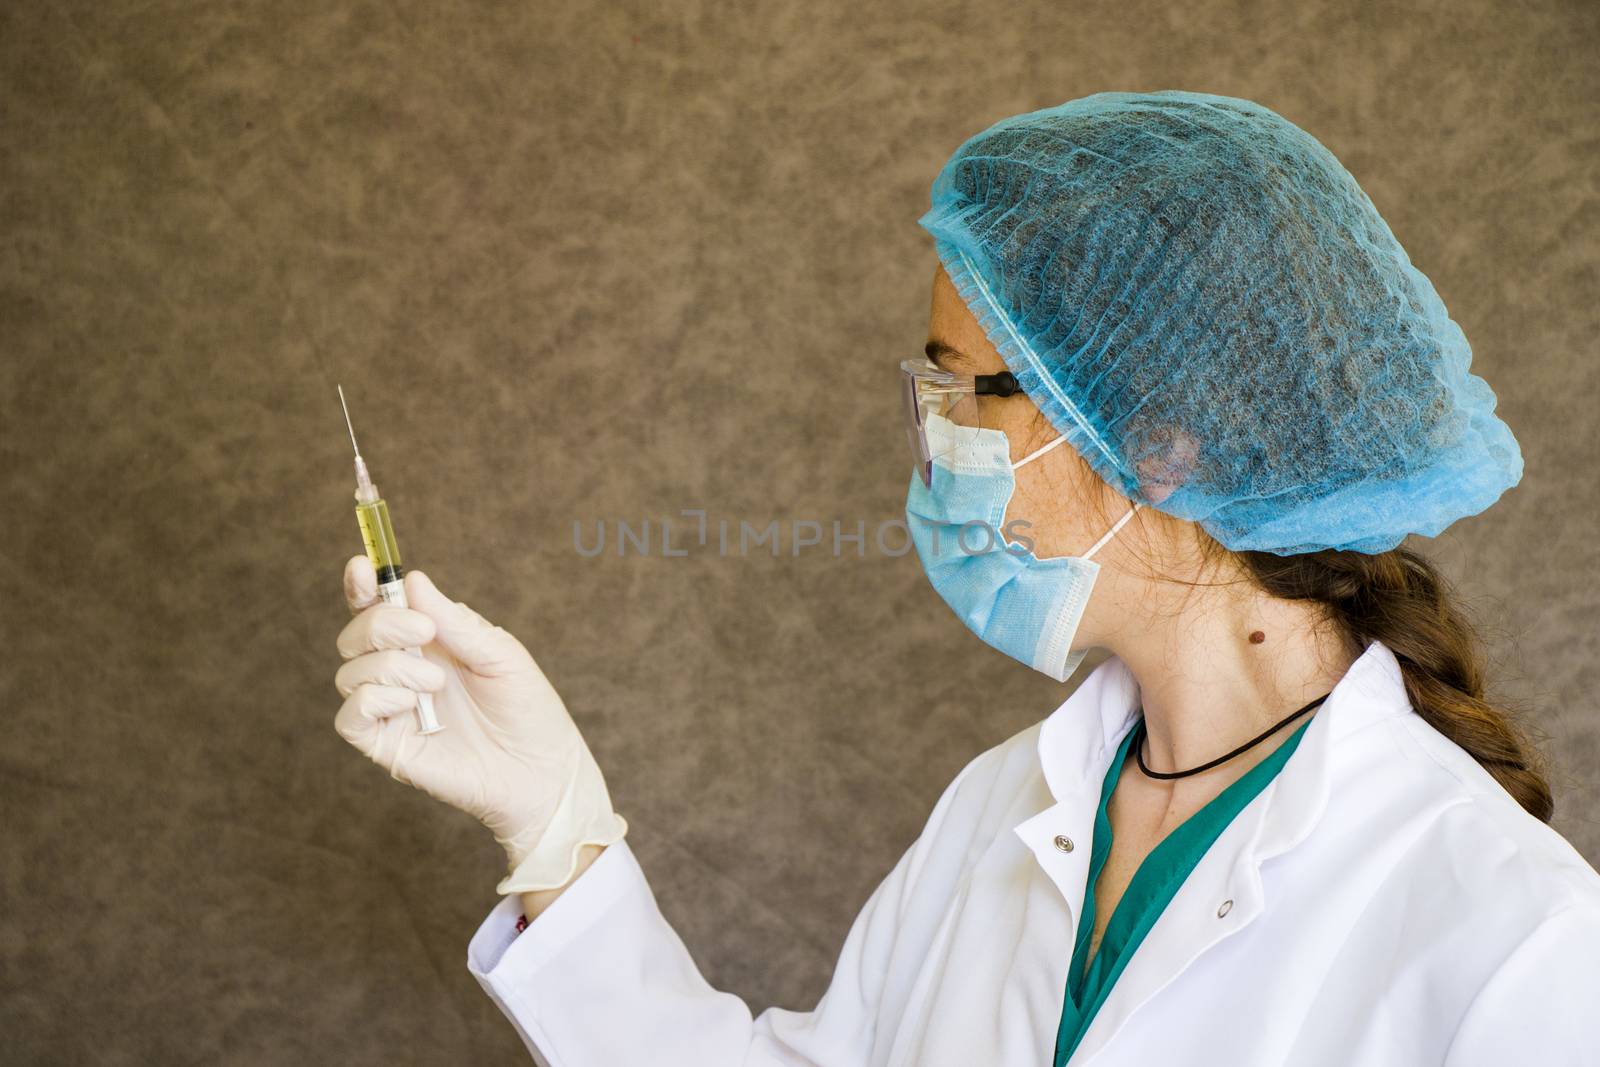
(1199,296)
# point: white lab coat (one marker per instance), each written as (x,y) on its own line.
(1382,903)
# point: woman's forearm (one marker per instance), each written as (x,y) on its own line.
(535,902)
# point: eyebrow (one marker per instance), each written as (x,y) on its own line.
(936,349)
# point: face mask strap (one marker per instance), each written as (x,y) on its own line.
(1113,531)
(1036,453)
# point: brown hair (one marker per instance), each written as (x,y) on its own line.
(1400,598)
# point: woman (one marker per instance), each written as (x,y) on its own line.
(1279,825)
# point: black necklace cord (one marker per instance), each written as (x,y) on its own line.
(1138,743)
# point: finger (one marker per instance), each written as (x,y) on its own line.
(384,626)
(389,667)
(473,616)
(480,646)
(360,583)
(362,715)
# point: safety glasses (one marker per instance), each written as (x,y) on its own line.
(928,391)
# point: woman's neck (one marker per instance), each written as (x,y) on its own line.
(1207,688)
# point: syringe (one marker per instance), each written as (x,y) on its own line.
(378,535)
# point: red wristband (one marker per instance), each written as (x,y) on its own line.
(522,923)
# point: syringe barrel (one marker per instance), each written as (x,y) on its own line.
(377,534)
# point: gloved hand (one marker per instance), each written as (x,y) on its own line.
(510,754)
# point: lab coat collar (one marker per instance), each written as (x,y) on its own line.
(1224,893)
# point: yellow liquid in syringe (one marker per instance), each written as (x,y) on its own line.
(378,534)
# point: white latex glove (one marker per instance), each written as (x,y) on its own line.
(509,755)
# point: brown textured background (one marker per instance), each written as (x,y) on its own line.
(596,263)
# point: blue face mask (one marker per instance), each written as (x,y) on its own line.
(1026,607)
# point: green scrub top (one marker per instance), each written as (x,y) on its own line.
(1154,884)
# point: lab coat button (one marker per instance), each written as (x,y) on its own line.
(1063,843)
(1227,906)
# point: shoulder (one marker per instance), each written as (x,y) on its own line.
(993,791)
(1002,769)
(1475,834)
(1483,868)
